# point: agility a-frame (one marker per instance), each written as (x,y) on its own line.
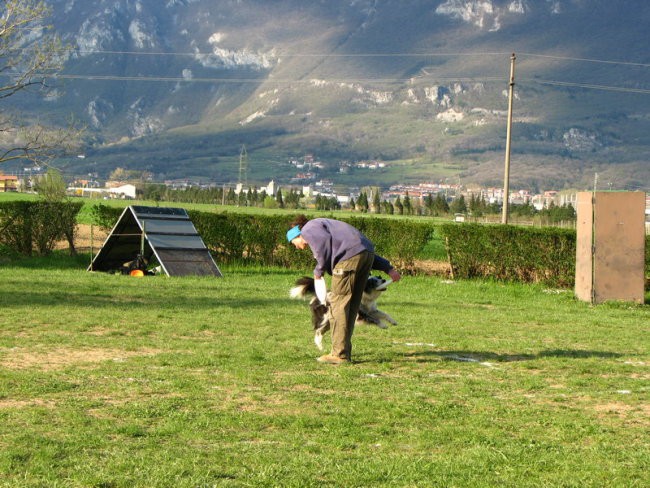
(162,234)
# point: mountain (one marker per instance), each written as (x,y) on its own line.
(176,87)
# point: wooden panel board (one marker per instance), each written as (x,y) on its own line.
(610,247)
(619,246)
(584,246)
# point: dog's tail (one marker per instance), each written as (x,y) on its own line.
(304,287)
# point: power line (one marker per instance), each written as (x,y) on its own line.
(265,80)
(280,53)
(485,79)
(589,86)
(289,81)
(587,60)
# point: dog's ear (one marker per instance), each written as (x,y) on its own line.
(371,284)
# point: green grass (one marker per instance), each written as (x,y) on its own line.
(112,381)
(85,215)
(13,196)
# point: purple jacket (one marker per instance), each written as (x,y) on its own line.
(332,241)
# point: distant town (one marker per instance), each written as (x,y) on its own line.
(308,189)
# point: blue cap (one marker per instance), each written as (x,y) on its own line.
(293,233)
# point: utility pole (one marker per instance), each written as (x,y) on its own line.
(506,177)
(243,167)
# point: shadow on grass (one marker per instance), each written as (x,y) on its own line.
(55,260)
(134,300)
(62,259)
(480,357)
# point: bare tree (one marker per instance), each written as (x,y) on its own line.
(30,55)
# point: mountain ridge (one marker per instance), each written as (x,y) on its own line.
(176,87)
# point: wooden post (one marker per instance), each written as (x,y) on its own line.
(91,247)
(451,266)
(142,238)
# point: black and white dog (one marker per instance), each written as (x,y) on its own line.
(320,313)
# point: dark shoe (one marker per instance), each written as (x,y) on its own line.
(329,359)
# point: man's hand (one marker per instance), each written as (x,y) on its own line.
(394,275)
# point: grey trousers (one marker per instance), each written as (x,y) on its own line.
(349,278)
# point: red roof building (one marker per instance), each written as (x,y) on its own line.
(8,183)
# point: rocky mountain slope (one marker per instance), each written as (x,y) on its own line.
(177,86)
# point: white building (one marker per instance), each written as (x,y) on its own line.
(123,191)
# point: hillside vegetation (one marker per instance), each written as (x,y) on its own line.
(177,89)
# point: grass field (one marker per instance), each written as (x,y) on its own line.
(85,215)
(112,381)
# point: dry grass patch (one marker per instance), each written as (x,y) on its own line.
(638,414)
(7,403)
(53,359)
(83,240)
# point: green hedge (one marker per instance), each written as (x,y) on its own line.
(29,227)
(401,241)
(105,216)
(254,239)
(260,239)
(545,255)
(647,256)
(507,252)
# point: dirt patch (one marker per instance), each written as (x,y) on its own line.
(53,359)
(638,413)
(616,408)
(85,238)
(7,403)
(431,268)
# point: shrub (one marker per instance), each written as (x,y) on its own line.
(27,226)
(398,240)
(259,239)
(647,257)
(105,216)
(507,252)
